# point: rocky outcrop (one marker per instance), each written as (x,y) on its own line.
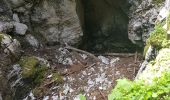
(143,15)
(153,52)
(55,20)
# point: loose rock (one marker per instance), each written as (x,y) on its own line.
(20,28)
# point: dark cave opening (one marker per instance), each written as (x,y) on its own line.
(105,25)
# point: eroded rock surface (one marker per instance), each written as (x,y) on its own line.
(143,15)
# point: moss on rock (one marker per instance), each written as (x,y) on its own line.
(158,39)
(168,21)
(57,78)
(1,37)
(158,2)
(32,69)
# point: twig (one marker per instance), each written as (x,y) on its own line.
(136,56)
(85,52)
(104,97)
(90,65)
(134,71)
(118,54)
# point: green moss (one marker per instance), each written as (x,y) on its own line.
(158,2)
(57,78)
(32,69)
(158,38)
(146,49)
(28,65)
(1,37)
(38,91)
(168,21)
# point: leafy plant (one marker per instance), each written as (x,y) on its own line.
(138,90)
(82,97)
(158,39)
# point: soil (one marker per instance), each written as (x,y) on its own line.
(82,74)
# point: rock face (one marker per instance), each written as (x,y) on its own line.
(55,20)
(143,15)
(152,52)
(104,23)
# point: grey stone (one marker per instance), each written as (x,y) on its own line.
(143,15)
(6,27)
(10,46)
(16,18)
(142,68)
(15,3)
(150,54)
(32,40)
(104,59)
(20,28)
(5,11)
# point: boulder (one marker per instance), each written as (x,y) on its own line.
(57,21)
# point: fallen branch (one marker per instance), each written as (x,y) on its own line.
(136,56)
(85,52)
(118,54)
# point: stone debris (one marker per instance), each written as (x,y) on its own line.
(46,98)
(84,56)
(104,59)
(43,61)
(20,28)
(10,46)
(32,40)
(6,27)
(16,18)
(88,79)
(30,97)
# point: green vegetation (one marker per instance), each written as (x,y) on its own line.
(168,21)
(82,97)
(154,82)
(57,78)
(32,69)
(138,90)
(158,2)
(158,39)
(1,37)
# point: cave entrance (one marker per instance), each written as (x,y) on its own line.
(105,25)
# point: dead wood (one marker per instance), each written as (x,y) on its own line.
(82,51)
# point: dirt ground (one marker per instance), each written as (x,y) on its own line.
(83,74)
